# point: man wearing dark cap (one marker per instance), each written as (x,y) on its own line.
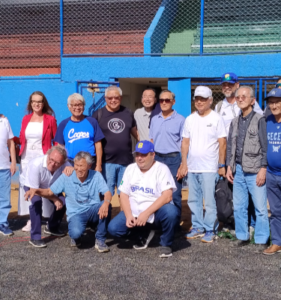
(273,173)
(146,198)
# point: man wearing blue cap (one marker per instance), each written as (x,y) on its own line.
(273,174)
(146,198)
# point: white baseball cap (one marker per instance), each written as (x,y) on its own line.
(203,91)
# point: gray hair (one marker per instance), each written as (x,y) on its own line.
(167,91)
(84,155)
(252,93)
(61,151)
(75,96)
(113,88)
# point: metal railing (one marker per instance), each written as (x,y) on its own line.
(36,34)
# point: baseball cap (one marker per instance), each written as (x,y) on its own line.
(203,91)
(144,147)
(274,93)
(229,77)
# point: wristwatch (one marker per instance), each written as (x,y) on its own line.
(221,165)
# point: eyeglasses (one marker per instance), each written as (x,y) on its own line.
(77,105)
(278,85)
(272,103)
(148,97)
(243,98)
(165,100)
(54,162)
(113,98)
(37,102)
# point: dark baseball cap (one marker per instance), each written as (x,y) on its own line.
(229,77)
(274,93)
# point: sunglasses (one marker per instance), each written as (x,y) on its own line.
(278,85)
(113,98)
(165,100)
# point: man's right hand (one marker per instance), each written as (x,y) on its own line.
(29,194)
(229,175)
(182,171)
(58,204)
(131,221)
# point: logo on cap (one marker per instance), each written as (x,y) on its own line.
(227,77)
(272,93)
(140,145)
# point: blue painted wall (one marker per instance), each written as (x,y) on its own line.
(14,92)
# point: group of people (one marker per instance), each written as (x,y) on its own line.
(75,168)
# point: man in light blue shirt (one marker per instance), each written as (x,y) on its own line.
(166,134)
(83,204)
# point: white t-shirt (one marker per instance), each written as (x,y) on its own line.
(145,188)
(203,132)
(6,133)
(230,111)
(38,176)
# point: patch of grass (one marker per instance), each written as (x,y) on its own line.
(226,235)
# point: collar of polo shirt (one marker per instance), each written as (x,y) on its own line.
(171,116)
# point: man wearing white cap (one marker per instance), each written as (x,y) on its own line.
(204,141)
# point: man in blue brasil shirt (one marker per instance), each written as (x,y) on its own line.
(273,175)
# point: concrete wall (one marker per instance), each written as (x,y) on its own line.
(14,92)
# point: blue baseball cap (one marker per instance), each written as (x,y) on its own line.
(274,93)
(229,77)
(144,147)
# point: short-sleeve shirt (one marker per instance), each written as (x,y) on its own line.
(273,146)
(80,196)
(167,133)
(116,127)
(79,136)
(38,176)
(144,189)
(203,132)
(142,118)
(5,134)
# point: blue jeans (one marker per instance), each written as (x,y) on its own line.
(77,224)
(5,196)
(202,185)
(113,174)
(173,163)
(244,183)
(273,187)
(166,219)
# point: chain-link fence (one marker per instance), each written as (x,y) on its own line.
(29,37)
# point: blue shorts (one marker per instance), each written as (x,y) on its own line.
(113,174)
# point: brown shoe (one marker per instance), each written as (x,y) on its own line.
(272,250)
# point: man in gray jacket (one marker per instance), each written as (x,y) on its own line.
(246,168)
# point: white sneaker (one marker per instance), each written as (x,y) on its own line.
(27,227)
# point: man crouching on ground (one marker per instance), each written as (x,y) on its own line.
(146,198)
(83,204)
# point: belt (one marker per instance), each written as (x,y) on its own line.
(172,154)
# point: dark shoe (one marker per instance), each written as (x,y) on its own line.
(101,246)
(259,248)
(55,232)
(143,243)
(5,230)
(240,243)
(165,252)
(272,250)
(75,243)
(38,243)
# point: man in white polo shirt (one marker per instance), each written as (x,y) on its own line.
(204,141)
(6,170)
(41,173)
(146,198)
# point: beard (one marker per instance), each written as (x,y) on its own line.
(229,94)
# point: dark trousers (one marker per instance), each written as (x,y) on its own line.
(166,219)
(173,164)
(273,187)
(35,210)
